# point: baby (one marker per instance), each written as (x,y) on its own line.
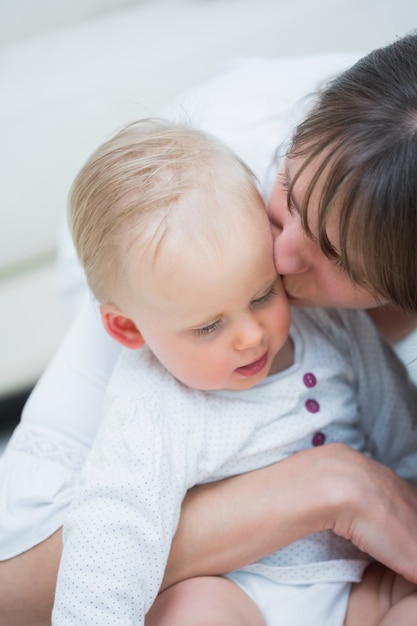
(219,379)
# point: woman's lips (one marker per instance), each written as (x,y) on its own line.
(253,368)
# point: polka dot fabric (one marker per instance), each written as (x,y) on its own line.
(159,438)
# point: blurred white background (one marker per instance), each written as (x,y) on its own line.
(71,71)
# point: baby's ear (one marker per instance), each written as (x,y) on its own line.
(120,327)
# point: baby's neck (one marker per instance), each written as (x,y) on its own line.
(283,359)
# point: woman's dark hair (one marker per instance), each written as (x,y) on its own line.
(363,133)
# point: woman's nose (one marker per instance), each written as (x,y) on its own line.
(290,248)
(287,232)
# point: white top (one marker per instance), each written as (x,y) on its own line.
(159,438)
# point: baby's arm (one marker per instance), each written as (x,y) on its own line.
(119,529)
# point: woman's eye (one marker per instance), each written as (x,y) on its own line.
(210,328)
(340,265)
(283,180)
(285,186)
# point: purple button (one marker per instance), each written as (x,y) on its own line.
(309,380)
(318,439)
(312,406)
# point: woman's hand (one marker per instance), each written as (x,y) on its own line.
(373,508)
(229,524)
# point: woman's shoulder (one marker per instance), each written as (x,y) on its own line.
(331,322)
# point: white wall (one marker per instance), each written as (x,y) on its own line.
(24,18)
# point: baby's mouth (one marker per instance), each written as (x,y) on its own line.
(253,368)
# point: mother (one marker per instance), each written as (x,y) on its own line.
(344,212)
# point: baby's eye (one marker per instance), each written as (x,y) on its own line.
(210,328)
(265,298)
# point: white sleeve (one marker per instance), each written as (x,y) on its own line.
(39,470)
(69,395)
(119,530)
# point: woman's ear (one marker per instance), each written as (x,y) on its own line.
(120,327)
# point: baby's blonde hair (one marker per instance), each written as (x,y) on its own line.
(127,191)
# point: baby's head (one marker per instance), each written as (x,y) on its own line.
(176,245)
(154,180)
